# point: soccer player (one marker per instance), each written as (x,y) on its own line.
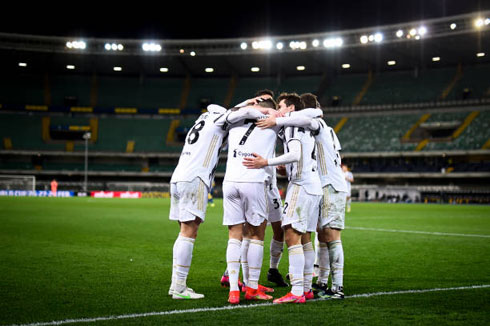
(54,188)
(333,200)
(300,215)
(189,188)
(245,202)
(349,178)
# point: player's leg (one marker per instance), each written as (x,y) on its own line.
(347,204)
(244,255)
(276,250)
(323,263)
(332,232)
(255,256)
(309,254)
(277,241)
(296,266)
(184,246)
(233,218)
(190,213)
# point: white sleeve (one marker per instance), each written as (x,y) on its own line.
(216,109)
(293,155)
(310,113)
(242,114)
(298,121)
(243,104)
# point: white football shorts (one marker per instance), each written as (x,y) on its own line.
(244,202)
(188,200)
(301,209)
(332,213)
(275,204)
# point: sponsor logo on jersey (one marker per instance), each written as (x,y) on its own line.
(238,153)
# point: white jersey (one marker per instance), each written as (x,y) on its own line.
(303,172)
(243,140)
(329,161)
(348,175)
(199,157)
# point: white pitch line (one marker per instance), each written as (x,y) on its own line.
(419,232)
(189,311)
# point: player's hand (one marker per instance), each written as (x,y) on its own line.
(255,162)
(281,169)
(266,123)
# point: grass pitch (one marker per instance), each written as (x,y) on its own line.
(71,258)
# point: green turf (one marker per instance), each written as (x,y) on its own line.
(64,258)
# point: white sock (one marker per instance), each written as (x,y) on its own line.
(255,257)
(296,268)
(244,259)
(309,254)
(174,255)
(183,258)
(323,263)
(233,262)
(317,250)
(336,253)
(276,253)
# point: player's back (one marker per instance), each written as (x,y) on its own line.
(200,154)
(304,171)
(329,161)
(244,139)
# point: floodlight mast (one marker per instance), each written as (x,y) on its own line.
(86,137)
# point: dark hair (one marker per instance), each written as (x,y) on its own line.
(291,99)
(269,103)
(264,92)
(310,100)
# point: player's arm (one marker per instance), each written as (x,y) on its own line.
(296,121)
(258,161)
(216,109)
(244,113)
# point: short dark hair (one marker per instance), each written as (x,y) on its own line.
(264,92)
(291,99)
(269,103)
(310,100)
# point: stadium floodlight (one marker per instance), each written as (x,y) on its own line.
(22,64)
(417,37)
(181,51)
(315,43)
(163,69)
(302,45)
(262,45)
(255,69)
(244,45)
(391,63)
(209,69)
(300,68)
(107,46)
(333,42)
(371,38)
(453,26)
(487,21)
(120,47)
(78,45)
(279,45)
(436,59)
(480,54)
(422,30)
(364,39)
(117,68)
(413,32)
(479,22)
(345,66)
(193,53)
(399,33)
(70,67)
(378,37)
(151,47)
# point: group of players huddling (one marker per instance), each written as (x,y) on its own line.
(315,198)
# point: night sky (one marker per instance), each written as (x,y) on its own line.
(211,19)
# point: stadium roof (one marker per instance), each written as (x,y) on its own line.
(405,45)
